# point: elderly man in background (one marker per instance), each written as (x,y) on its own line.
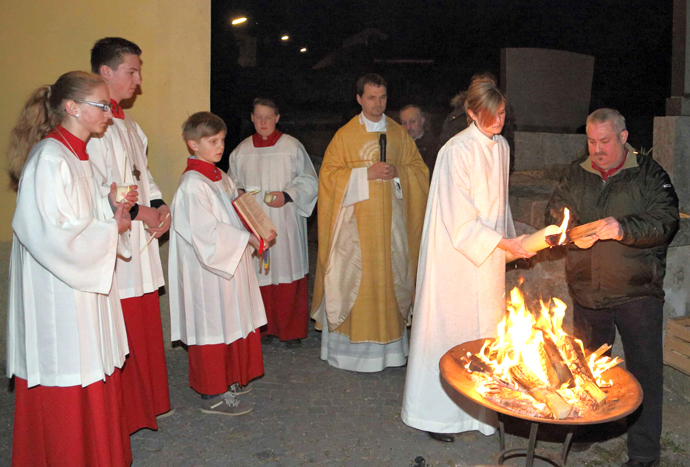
(616,275)
(412,118)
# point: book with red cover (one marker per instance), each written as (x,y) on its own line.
(253,217)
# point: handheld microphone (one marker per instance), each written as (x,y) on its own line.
(382,147)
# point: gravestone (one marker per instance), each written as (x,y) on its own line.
(548,90)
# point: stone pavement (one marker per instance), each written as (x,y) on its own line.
(307,413)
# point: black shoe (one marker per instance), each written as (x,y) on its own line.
(581,446)
(444,437)
(634,463)
(293,343)
(267,339)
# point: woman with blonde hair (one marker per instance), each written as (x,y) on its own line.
(66,336)
(468,229)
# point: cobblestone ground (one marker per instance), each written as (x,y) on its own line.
(310,414)
(307,413)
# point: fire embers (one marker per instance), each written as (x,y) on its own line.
(533,367)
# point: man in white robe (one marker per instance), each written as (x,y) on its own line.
(119,156)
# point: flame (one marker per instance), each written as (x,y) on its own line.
(564,226)
(521,339)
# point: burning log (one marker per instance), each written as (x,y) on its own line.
(580,368)
(600,351)
(540,391)
(564,377)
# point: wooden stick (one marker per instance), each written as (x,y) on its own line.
(600,351)
(153,236)
(565,376)
(540,391)
(580,368)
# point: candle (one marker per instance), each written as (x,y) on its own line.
(268,197)
(121,192)
(534,242)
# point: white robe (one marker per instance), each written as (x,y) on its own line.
(214,293)
(461,277)
(124,140)
(286,167)
(63,327)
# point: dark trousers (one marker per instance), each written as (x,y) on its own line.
(640,325)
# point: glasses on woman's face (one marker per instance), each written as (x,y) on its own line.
(103,107)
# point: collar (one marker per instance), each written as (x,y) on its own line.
(419,138)
(483,139)
(629,162)
(260,142)
(71,142)
(374,127)
(206,169)
(116,110)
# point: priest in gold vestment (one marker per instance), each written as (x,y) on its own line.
(371,215)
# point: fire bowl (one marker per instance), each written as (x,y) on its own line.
(622,398)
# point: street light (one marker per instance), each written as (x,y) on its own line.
(303,49)
(285,38)
(239,20)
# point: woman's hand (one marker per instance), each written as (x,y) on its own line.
(514,247)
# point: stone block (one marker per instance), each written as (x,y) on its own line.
(672,151)
(536,151)
(548,90)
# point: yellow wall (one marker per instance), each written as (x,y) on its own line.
(41,39)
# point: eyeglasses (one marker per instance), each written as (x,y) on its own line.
(103,107)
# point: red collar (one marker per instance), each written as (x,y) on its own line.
(206,169)
(71,142)
(116,110)
(260,142)
(606,173)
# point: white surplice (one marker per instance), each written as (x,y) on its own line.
(214,293)
(285,166)
(64,328)
(461,277)
(117,153)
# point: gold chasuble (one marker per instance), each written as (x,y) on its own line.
(368,248)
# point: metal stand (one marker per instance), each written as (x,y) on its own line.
(531,452)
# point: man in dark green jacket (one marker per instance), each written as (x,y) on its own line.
(616,275)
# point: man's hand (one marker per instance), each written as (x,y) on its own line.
(163,223)
(278,200)
(382,171)
(610,229)
(121,216)
(586,242)
(514,247)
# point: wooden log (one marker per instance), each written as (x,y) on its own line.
(540,391)
(580,368)
(599,352)
(548,368)
(560,367)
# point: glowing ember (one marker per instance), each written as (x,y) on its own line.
(534,366)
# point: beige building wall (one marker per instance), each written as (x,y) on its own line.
(41,39)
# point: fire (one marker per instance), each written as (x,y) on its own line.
(535,354)
(564,226)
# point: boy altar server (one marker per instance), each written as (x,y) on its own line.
(279,165)
(119,156)
(215,302)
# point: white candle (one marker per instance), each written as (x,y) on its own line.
(121,192)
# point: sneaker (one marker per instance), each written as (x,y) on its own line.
(166,414)
(225,404)
(238,390)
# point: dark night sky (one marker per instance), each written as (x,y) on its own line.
(630,40)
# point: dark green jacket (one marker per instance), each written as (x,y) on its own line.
(642,199)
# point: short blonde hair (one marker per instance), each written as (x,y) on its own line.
(202,125)
(483,99)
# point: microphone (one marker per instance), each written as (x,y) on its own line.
(382,147)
